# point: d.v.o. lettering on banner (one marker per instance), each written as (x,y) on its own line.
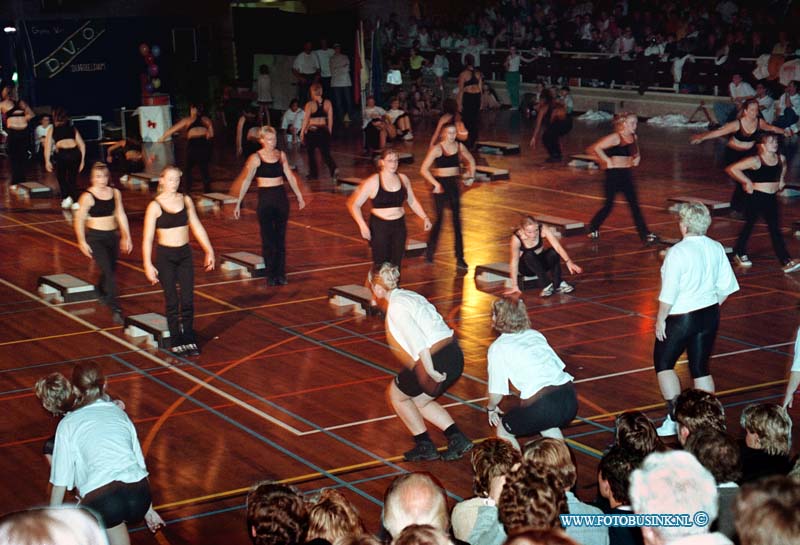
(69,50)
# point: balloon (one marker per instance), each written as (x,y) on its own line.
(153,69)
(149,88)
(155,51)
(149,59)
(144,49)
(156,83)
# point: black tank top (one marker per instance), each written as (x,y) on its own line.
(765,173)
(742,136)
(168,220)
(103,208)
(320,112)
(269,170)
(389,199)
(532,248)
(63,132)
(622,149)
(447,161)
(16,110)
(473,80)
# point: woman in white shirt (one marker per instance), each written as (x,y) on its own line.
(696,278)
(292,122)
(97,452)
(433,360)
(520,355)
(377,130)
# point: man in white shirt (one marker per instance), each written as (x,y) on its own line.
(788,108)
(324,54)
(473,48)
(341,86)
(696,278)
(739,91)
(766,104)
(306,69)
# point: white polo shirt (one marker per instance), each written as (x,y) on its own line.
(340,71)
(293,119)
(696,274)
(306,63)
(413,322)
(527,361)
(324,60)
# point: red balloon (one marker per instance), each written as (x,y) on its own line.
(144,49)
(149,59)
(153,69)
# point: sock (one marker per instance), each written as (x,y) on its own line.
(422,438)
(452,431)
(671,408)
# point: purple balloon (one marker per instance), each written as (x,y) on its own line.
(153,69)
(149,88)
(155,50)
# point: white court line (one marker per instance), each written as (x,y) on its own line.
(130,346)
(590,379)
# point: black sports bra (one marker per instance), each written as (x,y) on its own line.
(198,122)
(742,136)
(63,132)
(103,208)
(532,248)
(16,111)
(622,149)
(269,170)
(389,199)
(448,161)
(168,220)
(473,80)
(320,112)
(766,173)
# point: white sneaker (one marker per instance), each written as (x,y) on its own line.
(563,287)
(547,291)
(66,203)
(408,136)
(743,260)
(791,267)
(123,178)
(667,428)
(75,206)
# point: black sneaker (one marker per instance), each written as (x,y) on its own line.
(462,265)
(422,452)
(457,447)
(192,350)
(178,350)
(272,281)
(282,280)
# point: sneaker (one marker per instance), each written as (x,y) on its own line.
(650,238)
(422,452)
(594,234)
(548,291)
(791,266)
(66,203)
(272,281)
(178,350)
(75,206)
(462,265)
(408,136)
(563,287)
(192,350)
(667,428)
(457,447)
(743,260)
(282,280)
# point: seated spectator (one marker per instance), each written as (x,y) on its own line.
(292,122)
(415,62)
(414,498)
(421,534)
(787,109)
(276,515)
(540,537)
(719,453)
(613,480)
(531,499)
(768,440)
(489,98)
(400,120)
(376,128)
(766,104)
(739,91)
(53,525)
(697,410)
(767,512)
(332,517)
(634,433)
(675,483)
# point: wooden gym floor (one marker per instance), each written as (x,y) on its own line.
(291,388)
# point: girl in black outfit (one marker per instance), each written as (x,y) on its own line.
(553,118)
(199,132)
(618,154)
(247,133)
(317,130)
(16,115)
(270,167)
(126,156)
(170,216)
(470,84)
(761,177)
(446,178)
(69,155)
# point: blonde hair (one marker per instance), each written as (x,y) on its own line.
(63,525)
(265,130)
(333,517)
(386,276)
(554,457)
(100,167)
(56,393)
(772,425)
(510,316)
(620,119)
(695,217)
(527,220)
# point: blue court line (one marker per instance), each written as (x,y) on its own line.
(595,424)
(251,432)
(751,345)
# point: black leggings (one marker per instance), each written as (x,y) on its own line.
(198,153)
(273,215)
(694,332)
(372,136)
(67,163)
(551,138)
(18,144)
(554,409)
(470,115)
(388,241)
(175,269)
(451,197)
(105,251)
(738,197)
(764,205)
(620,180)
(449,359)
(544,265)
(319,138)
(119,502)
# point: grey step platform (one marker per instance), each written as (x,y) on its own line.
(215,199)
(66,288)
(415,248)
(505,148)
(563,226)
(499,272)
(582,160)
(248,264)
(34,190)
(715,207)
(151,326)
(353,294)
(490,174)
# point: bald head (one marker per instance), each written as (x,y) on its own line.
(415,498)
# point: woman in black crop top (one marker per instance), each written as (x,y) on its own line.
(70,152)
(170,217)
(552,122)
(101,227)
(316,131)
(618,154)
(742,135)
(529,258)
(269,166)
(199,132)
(247,133)
(16,115)
(442,169)
(470,84)
(388,190)
(761,177)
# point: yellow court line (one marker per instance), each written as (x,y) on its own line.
(584,446)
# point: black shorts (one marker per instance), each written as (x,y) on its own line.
(448,360)
(554,409)
(119,502)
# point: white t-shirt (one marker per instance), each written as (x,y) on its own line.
(295,119)
(446,42)
(767,106)
(794,100)
(306,63)
(696,274)
(744,89)
(394,114)
(340,71)
(513,63)
(94,446)
(41,132)
(424,41)
(370,114)
(441,65)
(527,361)
(796,360)
(324,60)
(413,322)
(264,88)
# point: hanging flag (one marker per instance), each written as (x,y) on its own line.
(377,64)
(357,68)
